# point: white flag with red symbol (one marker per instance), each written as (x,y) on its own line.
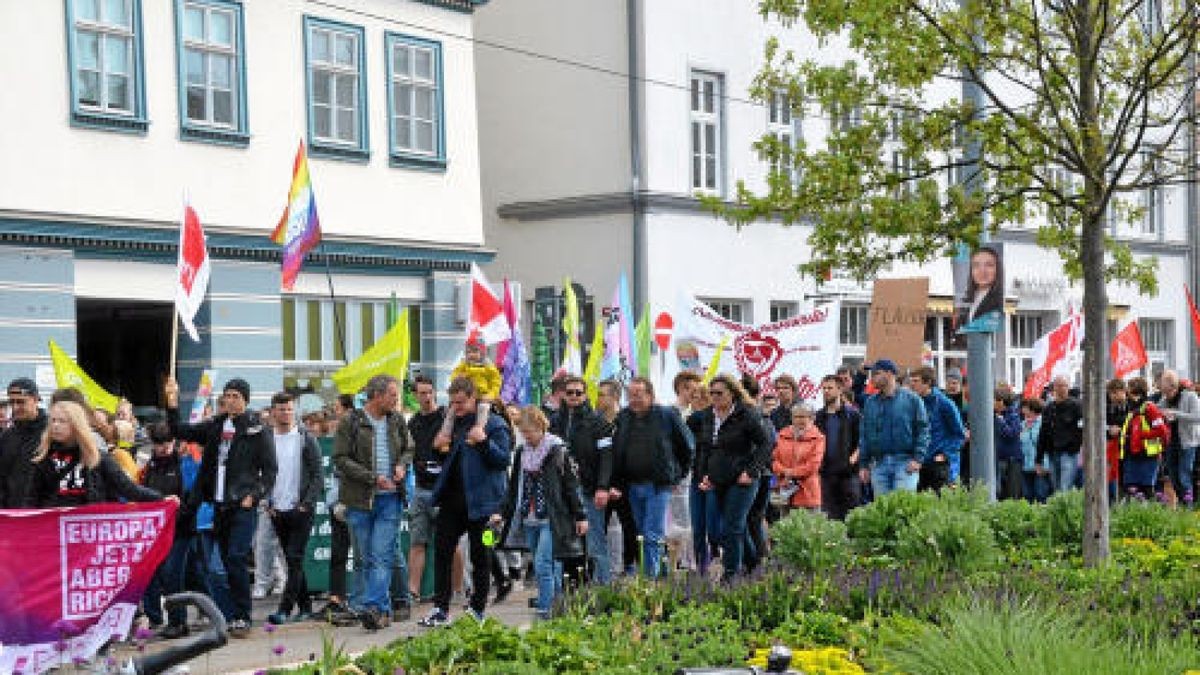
(487,322)
(1055,353)
(191,278)
(1128,352)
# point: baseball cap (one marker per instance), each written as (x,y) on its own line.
(884,364)
(23,386)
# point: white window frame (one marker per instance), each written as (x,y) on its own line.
(730,309)
(410,82)
(207,50)
(1158,337)
(854,325)
(333,145)
(781,310)
(781,124)
(706,99)
(104,31)
(1152,197)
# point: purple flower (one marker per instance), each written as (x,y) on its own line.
(66,627)
(399,671)
(260,672)
(278,650)
(80,661)
(60,646)
(270,628)
(143,634)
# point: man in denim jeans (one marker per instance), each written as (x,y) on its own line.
(894,433)
(372,451)
(652,451)
(1181,407)
(1061,436)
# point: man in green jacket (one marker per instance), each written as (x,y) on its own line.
(372,451)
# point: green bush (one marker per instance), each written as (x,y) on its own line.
(1013,521)
(1062,518)
(983,638)
(810,541)
(874,528)
(1150,520)
(814,629)
(973,499)
(946,539)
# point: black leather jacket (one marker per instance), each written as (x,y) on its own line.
(250,468)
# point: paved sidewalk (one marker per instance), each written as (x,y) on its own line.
(302,642)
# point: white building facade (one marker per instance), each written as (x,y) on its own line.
(129,107)
(591,171)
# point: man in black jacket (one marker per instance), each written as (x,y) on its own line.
(1061,436)
(298,486)
(652,451)
(19,442)
(589,441)
(237,470)
(839,476)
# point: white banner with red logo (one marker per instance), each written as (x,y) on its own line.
(804,346)
(71,578)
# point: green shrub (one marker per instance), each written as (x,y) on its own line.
(982,638)
(945,539)
(1149,520)
(1062,518)
(874,528)
(1013,521)
(814,629)
(973,499)
(810,541)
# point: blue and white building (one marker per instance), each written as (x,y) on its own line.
(116,111)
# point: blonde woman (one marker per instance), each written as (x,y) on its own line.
(70,470)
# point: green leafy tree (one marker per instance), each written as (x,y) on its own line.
(1086,105)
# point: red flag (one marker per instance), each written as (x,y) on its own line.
(1195,314)
(510,316)
(191,279)
(487,314)
(1051,351)
(1127,352)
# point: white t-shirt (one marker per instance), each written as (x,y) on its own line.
(289,455)
(227,433)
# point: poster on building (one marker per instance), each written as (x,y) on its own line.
(897,327)
(71,578)
(804,346)
(979,290)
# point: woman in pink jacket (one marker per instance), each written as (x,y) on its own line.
(797,459)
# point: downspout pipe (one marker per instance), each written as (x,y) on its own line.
(637,207)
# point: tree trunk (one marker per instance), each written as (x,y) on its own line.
(1095,297)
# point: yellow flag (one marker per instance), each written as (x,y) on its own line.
(591,374)
(715,364)
(388,356)
(572,360)
(67,373)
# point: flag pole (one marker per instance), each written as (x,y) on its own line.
(337,322)
(174,338)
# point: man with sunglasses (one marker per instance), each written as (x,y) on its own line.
(19,442)
(589,441)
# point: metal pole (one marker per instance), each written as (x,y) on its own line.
(980,377)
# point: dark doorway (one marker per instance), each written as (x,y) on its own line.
(125,346)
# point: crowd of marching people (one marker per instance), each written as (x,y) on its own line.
(500,495)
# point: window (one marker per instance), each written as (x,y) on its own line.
(1156,336)
(105,55)
(310,330)
(416,130)
(1152,17)
(781,311)
(335,58)
(212,74)
(843,118)
(902,167)
(731,310)
(1062,186)
(1152,198)
(779,127)
(1026,329)
(706,131)
(855,319)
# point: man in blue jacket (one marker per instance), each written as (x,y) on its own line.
(468,494)
(894,434)
(939,467)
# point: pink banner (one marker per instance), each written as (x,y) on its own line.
(71,578)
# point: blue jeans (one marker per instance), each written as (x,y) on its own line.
(207,574)
(375,533)
(168,580)
(1179,467)
(706,524)
(1063,467)
(890,473)
(597,541)
(733,503)
(234,528)
(649,503)
(1035,488)
(540,540)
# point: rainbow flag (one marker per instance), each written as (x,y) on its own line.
(299,229)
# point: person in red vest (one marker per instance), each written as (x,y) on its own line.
(1143,437)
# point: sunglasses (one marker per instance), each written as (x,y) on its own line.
(574,392)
